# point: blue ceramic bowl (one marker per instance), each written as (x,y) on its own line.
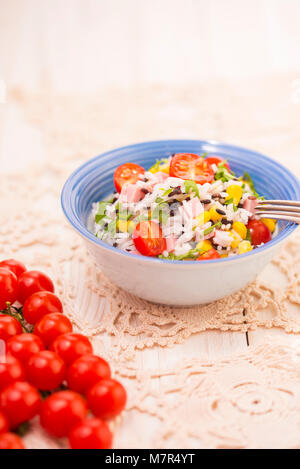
(165,281)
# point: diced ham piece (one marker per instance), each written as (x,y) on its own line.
(159,177)
(131,193)
(199,235)
(250,204)
(171,243)
(192,209)
(210,235)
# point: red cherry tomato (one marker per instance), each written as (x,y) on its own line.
(23,346)
(4,425)
(61,411)
(11,441)
(148,238)
(10,371)
(71,346)
(9,327)
(20,402)
(46,370)
(259,232)
(14,266)
(91,434)
(217,160)
(87,371)
(211,254)
(51,326)
(31,282)
(127,173)
(8,287)
(39,304)
(107,398)
(191,167)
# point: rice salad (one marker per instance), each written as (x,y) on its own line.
(185,207)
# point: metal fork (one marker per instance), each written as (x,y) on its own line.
(288,210)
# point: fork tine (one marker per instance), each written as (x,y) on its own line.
(288,203)
(287,216)
(283,208)
(288,210)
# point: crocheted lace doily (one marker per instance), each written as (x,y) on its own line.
(246,400)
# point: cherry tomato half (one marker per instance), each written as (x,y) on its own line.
(217,160)
(91,434)
(107,398)
(31,282)
(8,287)
(23,346)
(61,411)
(11,441)
(51,326)
(46,370)
(191,167)
(39,304)
(71,346)
(9,327)
(127,173)
(148,238)
(4,425)
(207,256)
(14,266)
(11,371)
(259,232)
(20,402)
(87,371)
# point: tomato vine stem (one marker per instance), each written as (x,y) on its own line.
(16,313)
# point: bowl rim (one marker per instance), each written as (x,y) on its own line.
(85,233)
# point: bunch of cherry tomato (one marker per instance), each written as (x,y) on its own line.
(49,371)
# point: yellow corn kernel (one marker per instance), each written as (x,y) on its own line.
(204,245)
(234,192)
(122,225)
(271,224)
(165,168)
(203,218)
(236,239)
(131,227)
(245,246)
(206,217)
(223,255)
(154,169)
(214,215)
(240,229)
(125,226)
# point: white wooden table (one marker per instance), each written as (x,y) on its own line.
(81,46)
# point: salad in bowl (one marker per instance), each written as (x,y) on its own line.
(185,207)
(181,227)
